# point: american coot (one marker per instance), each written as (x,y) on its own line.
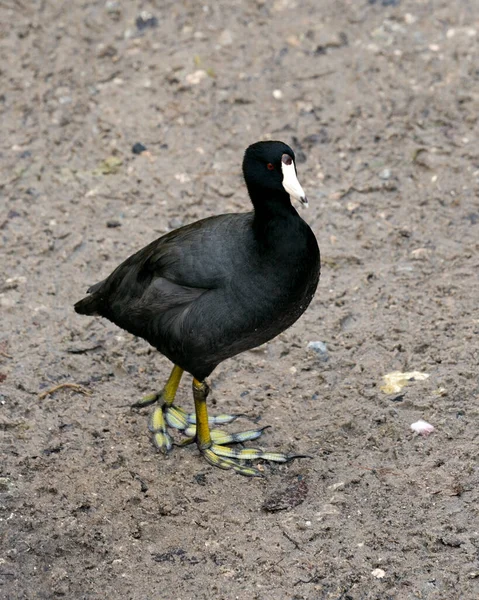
(210,290)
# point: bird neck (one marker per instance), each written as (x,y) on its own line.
(274,218)
(270,204)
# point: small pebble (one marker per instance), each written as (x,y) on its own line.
(138,148)
(113,7)
(378,573)
(320,349)
(277,94)
(385,174)
(422,427)
(112,223)
(196,77)
(146,20)
(13,282)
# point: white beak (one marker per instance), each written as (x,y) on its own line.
(290,180)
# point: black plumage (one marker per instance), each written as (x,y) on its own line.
(222,285)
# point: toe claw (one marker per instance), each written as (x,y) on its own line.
(163,441)
(294,456)
(226,464)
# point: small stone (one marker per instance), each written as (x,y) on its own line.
(175,223)
(182,177)
(378,573)
(112,7)
(422,427)
(146,20)
(293,41)
(434,47)
(106,51)
(138,148)
(385,174)
(421,253)
(320,349)
(12,283)
(112,223)
(196,77)
(5,484)
(277,94)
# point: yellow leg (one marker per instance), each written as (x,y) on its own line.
(200,393)
(167,394)
(167,414)
(171,387)
(203,436)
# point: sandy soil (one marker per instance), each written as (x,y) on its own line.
(380,101)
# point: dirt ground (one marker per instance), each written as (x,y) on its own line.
(380,101)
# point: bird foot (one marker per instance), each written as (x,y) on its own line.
(218,454)
(224,457)
(170,416)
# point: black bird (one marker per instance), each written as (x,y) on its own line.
(210,290)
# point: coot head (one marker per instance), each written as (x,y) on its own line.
(269,170)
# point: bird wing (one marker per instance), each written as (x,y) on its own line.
(201,255)
(176,269)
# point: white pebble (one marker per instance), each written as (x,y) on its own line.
(15,281)
(196,77)
(182,177)
(422,427)
(378,573)
(277,94)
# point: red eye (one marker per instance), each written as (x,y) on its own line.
(270,166)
